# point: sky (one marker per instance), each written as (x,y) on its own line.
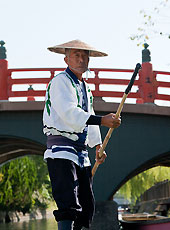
(29,27)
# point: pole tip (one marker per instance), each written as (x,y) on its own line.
(138,66)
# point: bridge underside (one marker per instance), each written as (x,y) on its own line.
(160,160)
(11,148)
(141,142)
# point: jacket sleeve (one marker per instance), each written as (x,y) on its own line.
(64,100)
(94,136)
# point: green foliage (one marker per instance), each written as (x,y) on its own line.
(43,193)
(1,176)
(19,179)
(135,187)
(24,185)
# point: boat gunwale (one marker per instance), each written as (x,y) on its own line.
(160,220)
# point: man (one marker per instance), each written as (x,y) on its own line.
(70,125)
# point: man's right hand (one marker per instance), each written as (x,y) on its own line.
(110,121)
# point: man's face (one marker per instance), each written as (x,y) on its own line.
(77,60)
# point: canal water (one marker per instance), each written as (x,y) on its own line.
(43,224)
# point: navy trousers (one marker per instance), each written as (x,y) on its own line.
(72,191)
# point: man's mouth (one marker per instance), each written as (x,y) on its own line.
(82,67)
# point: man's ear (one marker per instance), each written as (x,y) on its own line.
(66,60)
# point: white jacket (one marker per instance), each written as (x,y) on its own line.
(63,111)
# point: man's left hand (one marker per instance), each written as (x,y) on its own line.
(100,160)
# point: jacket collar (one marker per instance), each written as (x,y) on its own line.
(72,75)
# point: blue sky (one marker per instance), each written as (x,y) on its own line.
(29,27)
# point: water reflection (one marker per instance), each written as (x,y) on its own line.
(44,224)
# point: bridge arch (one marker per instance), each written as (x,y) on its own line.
(12,147)
(160,160)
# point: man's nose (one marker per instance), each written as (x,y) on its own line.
(81,59)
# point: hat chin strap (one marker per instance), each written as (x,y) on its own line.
(76,69)
(87,71)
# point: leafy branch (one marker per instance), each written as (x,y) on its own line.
(150,27)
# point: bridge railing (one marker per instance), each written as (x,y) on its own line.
(107,83)
(30,92)
(162,85)
(95,81)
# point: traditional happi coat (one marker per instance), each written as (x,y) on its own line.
(68,106)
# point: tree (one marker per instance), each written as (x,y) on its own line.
(16,187)
(42,192)
(151,25)
(135,187)
(24,185)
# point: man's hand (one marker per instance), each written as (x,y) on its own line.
(100,160)
(110,121)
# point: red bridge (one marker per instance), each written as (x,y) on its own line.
(109,83)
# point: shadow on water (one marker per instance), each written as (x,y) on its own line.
(44,224)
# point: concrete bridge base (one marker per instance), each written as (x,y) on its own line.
(106,216)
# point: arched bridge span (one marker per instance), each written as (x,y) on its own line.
(141,142)
(12,147)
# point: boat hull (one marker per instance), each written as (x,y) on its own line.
(161,224)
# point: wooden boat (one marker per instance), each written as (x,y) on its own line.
(142,221)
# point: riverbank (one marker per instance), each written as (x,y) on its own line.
(43,224)
(34,215)
(105,218)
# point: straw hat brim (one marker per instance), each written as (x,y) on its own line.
(77,44)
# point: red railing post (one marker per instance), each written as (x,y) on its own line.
(3,73)
(97,81)
(52,74)
(147,79)
(30,98)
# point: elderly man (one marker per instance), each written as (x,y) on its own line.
(70,125)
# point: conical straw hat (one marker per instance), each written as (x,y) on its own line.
(77,44)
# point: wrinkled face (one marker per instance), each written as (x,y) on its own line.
(77,60)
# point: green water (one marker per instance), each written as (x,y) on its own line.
(44,224)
